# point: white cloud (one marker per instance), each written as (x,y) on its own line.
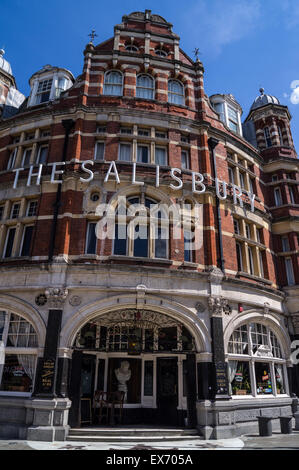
(213,25)
(294,98)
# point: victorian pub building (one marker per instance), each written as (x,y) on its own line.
(205,333)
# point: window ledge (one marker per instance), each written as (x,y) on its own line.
(140,259)
(189,264)
(254,278)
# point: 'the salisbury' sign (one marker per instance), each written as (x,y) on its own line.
(198,185)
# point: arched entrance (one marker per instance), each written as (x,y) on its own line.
(155,349)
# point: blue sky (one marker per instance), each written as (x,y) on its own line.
(243,44)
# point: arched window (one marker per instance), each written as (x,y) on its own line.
(176,92)
(131,48)
(113,84)
(18,345)
(280,135)
(256,363)
(141,229)
(268,139)
(161,53)
(145,87)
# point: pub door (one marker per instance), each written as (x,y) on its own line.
(167,390)
(81,387)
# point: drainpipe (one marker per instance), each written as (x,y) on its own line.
(220,261)
(68,125)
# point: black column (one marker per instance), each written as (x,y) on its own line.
(191,390)
(219,366)
(75,389)
(45,382)
(205,381)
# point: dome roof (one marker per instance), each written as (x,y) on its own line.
(4,65)
(263,100)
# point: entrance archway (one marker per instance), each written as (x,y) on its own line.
(156,348)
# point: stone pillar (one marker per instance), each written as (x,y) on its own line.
(191,390)
(50,412)
(217,307)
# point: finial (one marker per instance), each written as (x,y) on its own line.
(196,53)
(262,91)
(92,35)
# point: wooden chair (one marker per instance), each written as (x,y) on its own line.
(102,402)
(117,401)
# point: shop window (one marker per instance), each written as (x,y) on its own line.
(262,358)
(19,337)
(263,378)
(239,378)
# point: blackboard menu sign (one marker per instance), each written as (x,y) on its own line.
(47,375)
(221,378)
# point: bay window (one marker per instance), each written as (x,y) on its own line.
(256,364)
(18,341)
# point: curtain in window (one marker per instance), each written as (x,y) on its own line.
(160,156)
(176,92)
(125,152)
(113,84)
(145,87)
(27,361)
(232,369)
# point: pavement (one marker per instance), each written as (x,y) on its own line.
(277,441)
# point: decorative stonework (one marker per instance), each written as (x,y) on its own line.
(56,296)
(75,300)
(41,300)
(215,275)
(200,307)
(218,306)
(266,308)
